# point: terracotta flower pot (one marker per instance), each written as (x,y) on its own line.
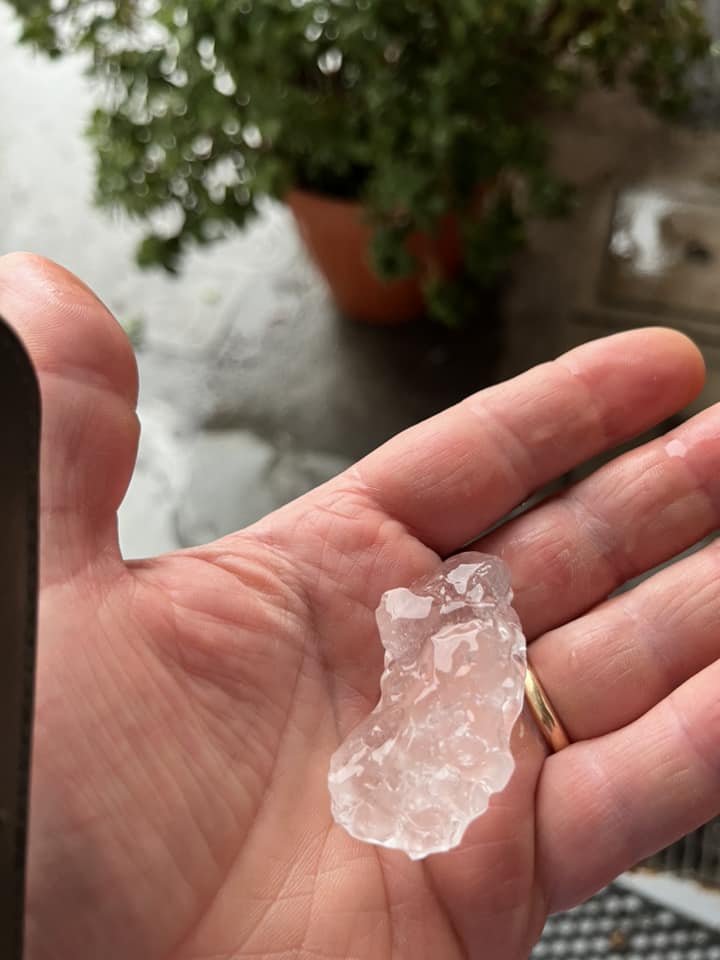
(338,240)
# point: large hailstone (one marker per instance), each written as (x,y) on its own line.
(424,764)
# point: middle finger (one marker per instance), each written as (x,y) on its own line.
(634,513)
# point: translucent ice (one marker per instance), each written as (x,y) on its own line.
(426,761)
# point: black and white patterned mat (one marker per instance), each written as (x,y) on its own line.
(618,924)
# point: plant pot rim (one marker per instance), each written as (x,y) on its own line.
(320,197)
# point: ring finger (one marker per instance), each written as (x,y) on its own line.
(609,667)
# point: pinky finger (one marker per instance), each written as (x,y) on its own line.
(606,804)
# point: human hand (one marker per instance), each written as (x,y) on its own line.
(187,706)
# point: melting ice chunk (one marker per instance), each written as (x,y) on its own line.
(424,764)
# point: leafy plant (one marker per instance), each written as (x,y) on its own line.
(208,105)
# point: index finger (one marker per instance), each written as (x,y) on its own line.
(451,477)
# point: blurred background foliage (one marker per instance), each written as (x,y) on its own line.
(205,106)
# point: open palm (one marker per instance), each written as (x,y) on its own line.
(187,706)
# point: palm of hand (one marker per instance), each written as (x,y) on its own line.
(188,706)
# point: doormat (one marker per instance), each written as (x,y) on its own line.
(618,924)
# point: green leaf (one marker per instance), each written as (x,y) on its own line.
(408,107)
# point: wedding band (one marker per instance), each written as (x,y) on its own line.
(544,713)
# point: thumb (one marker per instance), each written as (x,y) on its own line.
(88,382)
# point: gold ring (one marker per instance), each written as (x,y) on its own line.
(546,717)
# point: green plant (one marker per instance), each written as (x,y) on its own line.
(207,105)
